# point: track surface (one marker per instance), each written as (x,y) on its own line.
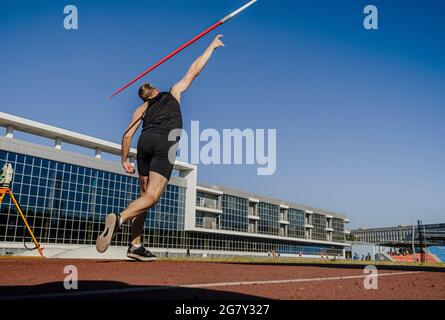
(43,278)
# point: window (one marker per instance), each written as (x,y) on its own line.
(234,215)
(269,216)
(296,223)
(319,230)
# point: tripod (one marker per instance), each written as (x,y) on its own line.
(3,192)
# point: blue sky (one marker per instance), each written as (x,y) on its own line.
(359,114)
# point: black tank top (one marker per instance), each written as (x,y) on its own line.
(163,114)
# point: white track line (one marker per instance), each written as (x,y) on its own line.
(69,294)
(246,283)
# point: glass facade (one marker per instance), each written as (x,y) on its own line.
(199,219)
(234,215)
(339,230)
(65,203)
(319,230)
(232,243)
(269,218)
(296,223)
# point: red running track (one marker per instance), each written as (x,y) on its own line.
(43,278)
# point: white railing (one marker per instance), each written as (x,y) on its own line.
(59,135)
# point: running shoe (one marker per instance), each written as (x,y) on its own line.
(111,229)
(140,254)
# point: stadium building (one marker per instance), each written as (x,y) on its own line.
(66,195)
(428,241)
(434,233)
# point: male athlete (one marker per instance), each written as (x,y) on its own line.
(160,113)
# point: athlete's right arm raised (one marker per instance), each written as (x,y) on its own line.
(196,68)
(128,135)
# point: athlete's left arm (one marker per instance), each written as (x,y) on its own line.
(196,68)
(128,135)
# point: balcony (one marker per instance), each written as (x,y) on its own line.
(213,226)
(329,223)
(254,200)
(207,205)
(308,219)
(253,227)
(253,209)
(282,234)
(283,214)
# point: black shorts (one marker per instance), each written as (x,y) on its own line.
(153,150)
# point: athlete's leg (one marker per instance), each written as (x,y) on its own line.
(137,224)
(154,192)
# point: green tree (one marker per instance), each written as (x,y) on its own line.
(351,237)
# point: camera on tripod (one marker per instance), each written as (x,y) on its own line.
(6,176)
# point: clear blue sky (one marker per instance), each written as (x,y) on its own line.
(360,114)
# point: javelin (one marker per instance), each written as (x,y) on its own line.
(185,45)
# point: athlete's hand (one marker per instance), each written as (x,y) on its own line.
(216,43)
(128,167)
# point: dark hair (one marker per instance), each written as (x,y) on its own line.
(145,91)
